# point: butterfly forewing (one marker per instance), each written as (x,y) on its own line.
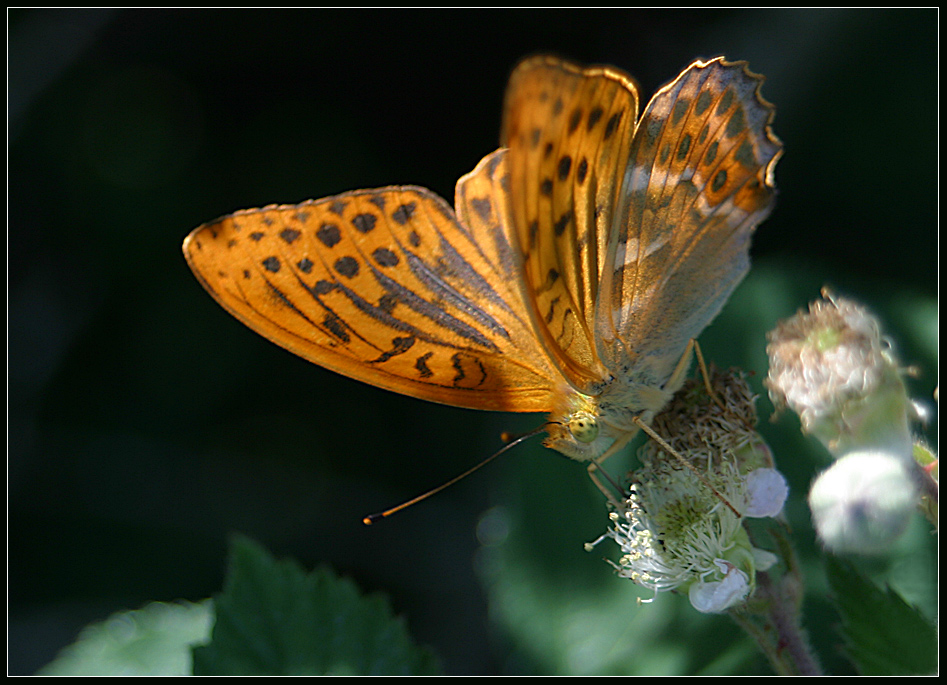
(568,131)
(384,286)
(699,181)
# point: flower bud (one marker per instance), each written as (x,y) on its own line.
(833,369)
(863,502)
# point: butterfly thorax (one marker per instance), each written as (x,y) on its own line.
(584,427)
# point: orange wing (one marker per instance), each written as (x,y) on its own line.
(569,130)
(388,287)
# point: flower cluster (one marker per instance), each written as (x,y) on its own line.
(682,525)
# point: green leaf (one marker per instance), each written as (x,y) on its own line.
(273,618)
(154,640)
(883,634)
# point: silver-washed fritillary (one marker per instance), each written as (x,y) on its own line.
(580,261)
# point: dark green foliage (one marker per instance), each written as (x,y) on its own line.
(883,634)
(273,618)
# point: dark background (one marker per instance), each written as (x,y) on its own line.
(145,424)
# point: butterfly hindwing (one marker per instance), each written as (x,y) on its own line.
(699,180)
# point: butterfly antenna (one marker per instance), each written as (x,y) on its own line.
(506,436)
(369,520)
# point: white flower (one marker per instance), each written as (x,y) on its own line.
(676,534)
(717,596)
(767,491)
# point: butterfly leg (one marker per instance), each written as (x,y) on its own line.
(680,371)
(610,488)
(679,375)
(705,374)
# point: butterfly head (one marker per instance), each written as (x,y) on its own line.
(576,429)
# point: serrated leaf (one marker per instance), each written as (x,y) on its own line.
(154,640)
(883,634)
(273,618)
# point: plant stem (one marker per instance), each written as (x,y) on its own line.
(772,618)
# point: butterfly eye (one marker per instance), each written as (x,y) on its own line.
(584,427)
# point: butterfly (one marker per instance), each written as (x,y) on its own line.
(578,265)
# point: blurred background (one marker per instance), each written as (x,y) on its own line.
(145,424)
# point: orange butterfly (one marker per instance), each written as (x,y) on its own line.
(582,259)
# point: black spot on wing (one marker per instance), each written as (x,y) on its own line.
(594,116)
(725,103)
(404,212)
(744,154)
(289,235)
(565,164)
(562,222)
(679,110)
(703,102)
(482,207)
(387,302)
(399,345)
(421,365)
(684,147)
(612,124)
(329,235)
(533,231)
(364,223)
(653,130)
(347,266)
(323,287)
(464,365)
(552,310)
(457,363)
(385,257)
(336,327)
(711,152)
(736,124)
